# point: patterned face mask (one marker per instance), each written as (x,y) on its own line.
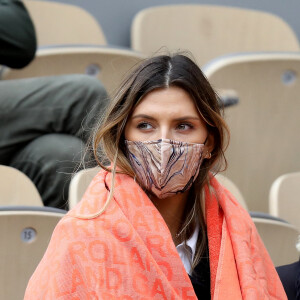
(165,167)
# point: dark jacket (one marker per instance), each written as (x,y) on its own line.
(201,278)
(290,278)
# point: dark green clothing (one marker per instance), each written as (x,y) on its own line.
(17,35)
(44,124)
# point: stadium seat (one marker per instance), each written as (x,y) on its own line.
(80,183)
(82,179)
(59,23)
(284,198)
(279,239)
(107,64)
(17,189)
(233,189)
(24,234)
(209,31)
(264,125)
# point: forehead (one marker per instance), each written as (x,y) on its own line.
(172,99)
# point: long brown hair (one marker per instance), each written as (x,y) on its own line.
(155,73)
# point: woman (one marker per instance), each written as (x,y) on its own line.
(156,224)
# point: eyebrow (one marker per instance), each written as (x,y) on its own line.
(177,119)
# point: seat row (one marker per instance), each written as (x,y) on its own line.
(75,42)
(18,190)
(26,225)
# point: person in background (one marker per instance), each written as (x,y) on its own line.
(155,223)
(44,122)
(290,278)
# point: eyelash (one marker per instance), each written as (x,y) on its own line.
(142,124)
(186,124)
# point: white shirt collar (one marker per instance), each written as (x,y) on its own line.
(187,251)
(192,241)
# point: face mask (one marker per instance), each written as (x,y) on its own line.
(165,167)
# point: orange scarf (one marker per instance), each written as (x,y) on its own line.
(128,252)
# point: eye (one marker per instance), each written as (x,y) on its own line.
(144,126)
(184,126)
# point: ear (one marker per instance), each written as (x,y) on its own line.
(209,146)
